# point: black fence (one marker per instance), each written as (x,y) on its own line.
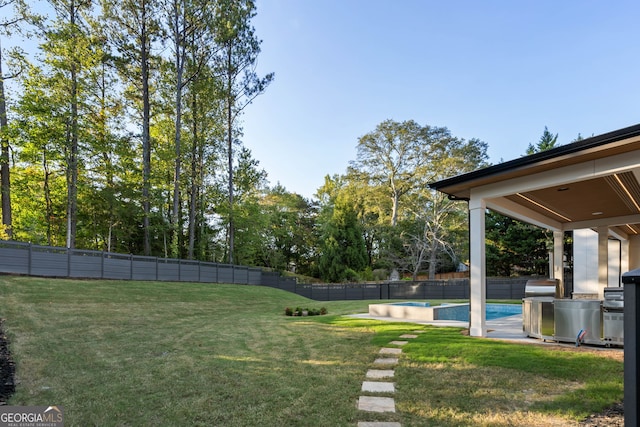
(497,288)
(48,261)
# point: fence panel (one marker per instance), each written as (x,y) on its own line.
(240,275)
(254,276)
(208,272)
(85,264)
(225,273)
(14,257)
(144,268)
(288,284)
(116,266)
(305,291)
(434,291)
(49,261)
(168,270)
(320,292)
(189,271)
(270,278)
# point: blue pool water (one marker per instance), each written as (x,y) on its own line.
(494,311)
(413,304)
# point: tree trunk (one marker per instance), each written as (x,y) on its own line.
(5,182)
(146,137)
(72,189)
(47,197)
(175,213)
(231,231)
(195,181)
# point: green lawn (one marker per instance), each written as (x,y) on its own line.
(169,354)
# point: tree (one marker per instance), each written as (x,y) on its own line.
(514,247)
(289,235)
(189,25)
(547,141)
(394,156)
(8,24)
(235,65)
(133,27)
(343,251)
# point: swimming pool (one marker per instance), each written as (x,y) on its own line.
(493,311)
(423,311)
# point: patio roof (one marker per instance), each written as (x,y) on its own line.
(590,183)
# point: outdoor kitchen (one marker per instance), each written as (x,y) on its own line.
(548,315)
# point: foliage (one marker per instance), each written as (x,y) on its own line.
(547,142)
(305,311)
(515,248)
(406,225)
(343,250)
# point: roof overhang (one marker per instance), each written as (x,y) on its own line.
(586,184)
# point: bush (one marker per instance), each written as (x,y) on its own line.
(305,311)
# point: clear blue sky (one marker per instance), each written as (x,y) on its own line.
(497,70)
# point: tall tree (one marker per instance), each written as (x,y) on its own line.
(547,142)
(133,28)
(190,26)
(343,250)
(235,64)
(69,53)
(9,24)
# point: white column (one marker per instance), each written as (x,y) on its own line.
(478,291)
(558,253)
(603,260)
(624,256)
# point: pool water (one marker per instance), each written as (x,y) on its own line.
(494,311)
(412,304)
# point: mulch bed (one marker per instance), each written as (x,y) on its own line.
(7,368)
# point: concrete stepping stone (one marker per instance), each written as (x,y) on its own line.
(380,373)
(408,336)
(386,361)
(376,404)
(388,350)
(399,342)
(378,387)
(378,424)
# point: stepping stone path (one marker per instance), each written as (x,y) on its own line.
(377,403)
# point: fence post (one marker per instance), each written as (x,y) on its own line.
(29,260)
(130,266)
(102,265)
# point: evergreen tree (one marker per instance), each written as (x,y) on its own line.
(343,250)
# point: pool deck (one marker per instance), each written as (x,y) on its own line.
(506,328)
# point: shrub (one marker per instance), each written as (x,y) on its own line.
(305,311)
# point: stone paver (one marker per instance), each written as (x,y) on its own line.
(378,387)
(408,336)
(386,361)
(378,424)
(399,342)
(380,373)
(389,350)
(376,404)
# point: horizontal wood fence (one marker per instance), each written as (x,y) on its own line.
(48,261)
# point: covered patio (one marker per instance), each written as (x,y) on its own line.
(590,184)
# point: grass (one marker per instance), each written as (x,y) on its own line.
(144,353)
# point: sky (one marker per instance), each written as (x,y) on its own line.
(496,70)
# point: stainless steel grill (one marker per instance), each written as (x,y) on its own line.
(541,288)
(613,315)
(613,299)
